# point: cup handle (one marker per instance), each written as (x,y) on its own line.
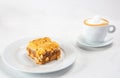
(111,28)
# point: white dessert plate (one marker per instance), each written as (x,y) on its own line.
(106,42)
(15,56)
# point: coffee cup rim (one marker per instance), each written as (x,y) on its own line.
(102,24)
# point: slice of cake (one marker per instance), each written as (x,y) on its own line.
(43,50)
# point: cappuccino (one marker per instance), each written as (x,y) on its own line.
(96,21)
(96,29)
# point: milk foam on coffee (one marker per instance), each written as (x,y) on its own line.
(96,21)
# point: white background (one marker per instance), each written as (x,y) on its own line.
(62,19)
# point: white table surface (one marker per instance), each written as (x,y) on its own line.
(61,19)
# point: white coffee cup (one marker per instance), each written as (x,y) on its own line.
(96,29)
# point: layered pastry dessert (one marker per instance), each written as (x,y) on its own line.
(43,50)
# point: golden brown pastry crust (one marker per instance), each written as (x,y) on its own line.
(43,50)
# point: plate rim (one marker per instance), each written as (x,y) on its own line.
(9,65)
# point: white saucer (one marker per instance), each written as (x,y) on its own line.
(15,56)
(106,42)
